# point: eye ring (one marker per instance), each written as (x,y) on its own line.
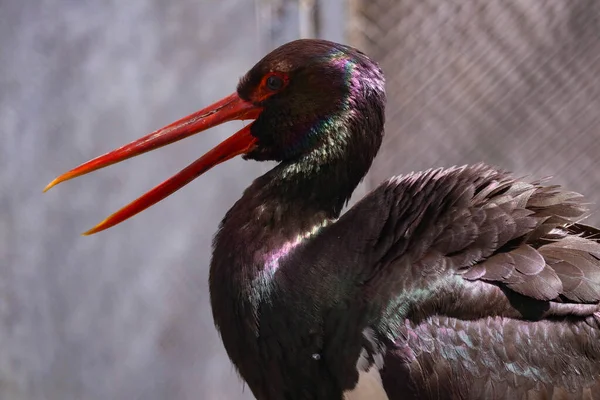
(274,83)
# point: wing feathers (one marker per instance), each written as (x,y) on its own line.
(483,225)
(549,256)
(496,280)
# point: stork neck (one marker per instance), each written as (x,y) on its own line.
(289,200)
(306,188)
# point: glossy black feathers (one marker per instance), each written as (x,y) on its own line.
(459,283)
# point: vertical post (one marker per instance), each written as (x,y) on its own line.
(280,21)
(332,17)
(307,18)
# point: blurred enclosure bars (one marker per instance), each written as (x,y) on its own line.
(126,314)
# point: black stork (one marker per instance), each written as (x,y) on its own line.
(459,283)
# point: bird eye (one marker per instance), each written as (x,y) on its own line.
(274,82)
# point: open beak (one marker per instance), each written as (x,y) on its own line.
(228,109)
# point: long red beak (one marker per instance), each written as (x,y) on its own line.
(228,109)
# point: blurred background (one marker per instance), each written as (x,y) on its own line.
(125,314)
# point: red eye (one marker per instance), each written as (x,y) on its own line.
(274,82)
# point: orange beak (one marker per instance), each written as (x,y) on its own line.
(228,109)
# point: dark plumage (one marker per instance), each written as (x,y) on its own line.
(470,284)
(460,283)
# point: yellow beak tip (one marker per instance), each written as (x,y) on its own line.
(90,232)
(98,228)
(52,184)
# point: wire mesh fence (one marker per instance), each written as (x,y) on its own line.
(512,83)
